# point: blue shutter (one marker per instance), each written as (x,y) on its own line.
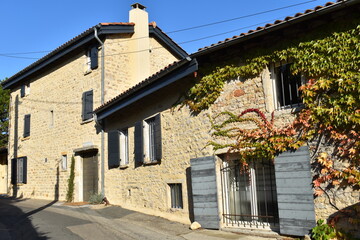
(87,105)
(13,171)
(113,149)
(27,125)
(158,142)
(139,142)
(94,57)
(204,191)
(294,192)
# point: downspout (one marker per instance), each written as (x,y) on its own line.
(102,150)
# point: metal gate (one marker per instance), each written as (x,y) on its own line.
(249,198)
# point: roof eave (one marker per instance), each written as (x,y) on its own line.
(180,70)
(64,50)
(168,42)
(266,30)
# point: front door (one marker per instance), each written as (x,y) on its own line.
(90,175)
(250,197)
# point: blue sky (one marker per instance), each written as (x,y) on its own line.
(43,25)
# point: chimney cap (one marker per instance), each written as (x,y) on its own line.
(138,5)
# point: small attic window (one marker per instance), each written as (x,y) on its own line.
(91,59)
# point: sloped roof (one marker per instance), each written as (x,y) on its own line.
(278,23)
(84,38)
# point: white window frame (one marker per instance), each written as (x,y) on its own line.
(124,147)
(64,162)
(178,202)
(149,141)
(87,65)
(275,88)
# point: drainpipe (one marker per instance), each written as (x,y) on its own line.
(102,164)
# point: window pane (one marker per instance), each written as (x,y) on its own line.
(176,195)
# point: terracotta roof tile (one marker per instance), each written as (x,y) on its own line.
(300,14)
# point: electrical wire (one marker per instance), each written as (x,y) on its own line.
(11,55)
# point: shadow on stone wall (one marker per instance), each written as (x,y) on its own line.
(189,191)
(347,220)
(15,224)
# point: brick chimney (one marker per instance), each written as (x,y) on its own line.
(140,58)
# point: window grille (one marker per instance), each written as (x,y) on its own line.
(287,87)
(176,195)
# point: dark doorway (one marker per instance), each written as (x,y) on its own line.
(90,175)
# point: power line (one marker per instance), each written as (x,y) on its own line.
(237,18)
(11,55)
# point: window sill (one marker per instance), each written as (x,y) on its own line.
(87,72)
(87,121)
(124,166)
(289,109)
(25,138)
(148,163)
(176,209)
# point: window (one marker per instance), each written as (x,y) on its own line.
(250,198)
(148,146)
(118,148)
(176,195)
(124,147)
(19,170)
(91,59)
(87,105)
(27,125)
(287,92)
(64,162)
(25,90)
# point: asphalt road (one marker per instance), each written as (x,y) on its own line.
(39,219)
(27,219)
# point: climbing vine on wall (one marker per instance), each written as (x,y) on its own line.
(331,64)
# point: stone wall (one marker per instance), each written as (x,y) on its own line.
(56,126)
(185,136)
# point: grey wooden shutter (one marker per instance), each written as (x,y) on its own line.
(22,90)
(139,142)
(24,169)
(13,171)
(294,192)
(158,143)
(27,125)
(94,57)
(113,149)
(204,190)
(87,105)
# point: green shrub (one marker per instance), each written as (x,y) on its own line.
(71,184)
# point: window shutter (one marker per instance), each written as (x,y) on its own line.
(87,105)
(113,149)
(204,191)
(13,171)
(158,143)
(294,192)
(94,57)
(22,91)
(27,125)
(24,169)
(139,142)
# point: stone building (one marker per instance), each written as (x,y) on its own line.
(141,151)
(52,102)
(159,161)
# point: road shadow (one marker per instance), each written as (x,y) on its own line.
(15,224)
